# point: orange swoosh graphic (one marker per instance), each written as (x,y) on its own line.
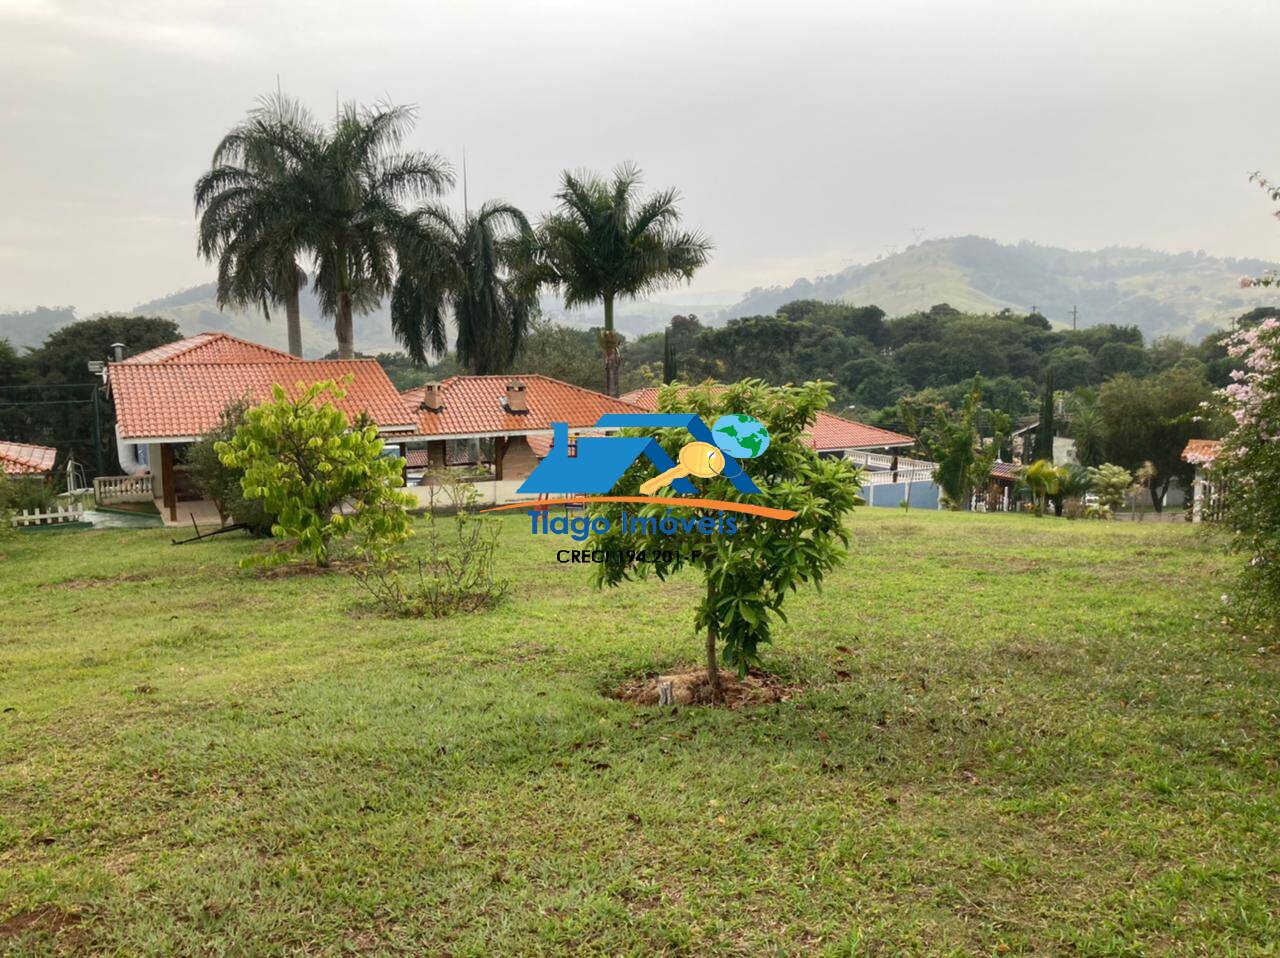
(692,503)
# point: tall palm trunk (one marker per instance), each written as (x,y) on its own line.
(344,327)
(612,354)
(293,318)
(343,324)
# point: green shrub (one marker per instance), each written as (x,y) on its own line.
(1111,483)
(322,479)
(220,482)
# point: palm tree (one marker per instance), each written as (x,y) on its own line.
(352,194)
(1044,480)
(243,201)
(1087,430)
(1073,482)
(605,241)
(477,267)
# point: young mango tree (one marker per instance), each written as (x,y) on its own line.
(749,571)
(321,477)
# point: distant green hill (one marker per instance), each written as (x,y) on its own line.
(1182,294)
(195,310)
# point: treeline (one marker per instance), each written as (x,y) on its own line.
(1122,400)
(46,393)
(876,362)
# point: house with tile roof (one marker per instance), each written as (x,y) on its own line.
(1206,486)
(502,423)
(20,459)
(167,397)
(830,434)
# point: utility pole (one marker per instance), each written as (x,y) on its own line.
(97,432)
(1074,313)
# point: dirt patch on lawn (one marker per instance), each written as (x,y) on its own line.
(46,918)
(690,687)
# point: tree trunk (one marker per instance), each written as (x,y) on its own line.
(1158,489)
(713,638)
(344,327)
(293,317)
(612,355)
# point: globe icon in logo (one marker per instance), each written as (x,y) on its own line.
(742,437)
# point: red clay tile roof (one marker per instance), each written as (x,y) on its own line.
(541,445)
(177,400)
(1202,452)
(828,432)
(835,432)
(476,406)
(1005,470)
(212,348)
(23,459)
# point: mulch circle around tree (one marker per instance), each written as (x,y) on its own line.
(690,687)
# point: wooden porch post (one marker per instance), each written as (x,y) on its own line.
(167,481)
(499,453)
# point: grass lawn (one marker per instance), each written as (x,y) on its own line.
(1015,736)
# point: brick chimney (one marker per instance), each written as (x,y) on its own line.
(432,397)
(516,400)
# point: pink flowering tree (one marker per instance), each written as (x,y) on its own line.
(1250,455)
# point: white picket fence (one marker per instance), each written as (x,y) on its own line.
(57,516)
(109,489)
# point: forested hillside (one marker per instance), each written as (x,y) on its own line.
(1182,294)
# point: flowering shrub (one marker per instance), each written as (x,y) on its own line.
(1250,456)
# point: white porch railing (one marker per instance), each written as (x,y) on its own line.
(54,517)
(878,461)
(108,489)
(887,478)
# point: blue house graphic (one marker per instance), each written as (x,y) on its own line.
(601,460)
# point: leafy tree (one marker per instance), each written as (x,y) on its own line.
(605,241)
(477,268)
(1150,420)
(1111,483)
(864,321)
(221,483)
(561,352)
(1250,459)
(320,477)
(773,348)
(870,382)
(246,201)
(748,574)
(404,373)
(954,441)
(1072,367)
(1115,358)
(58,419)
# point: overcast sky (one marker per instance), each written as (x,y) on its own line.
(804,136)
